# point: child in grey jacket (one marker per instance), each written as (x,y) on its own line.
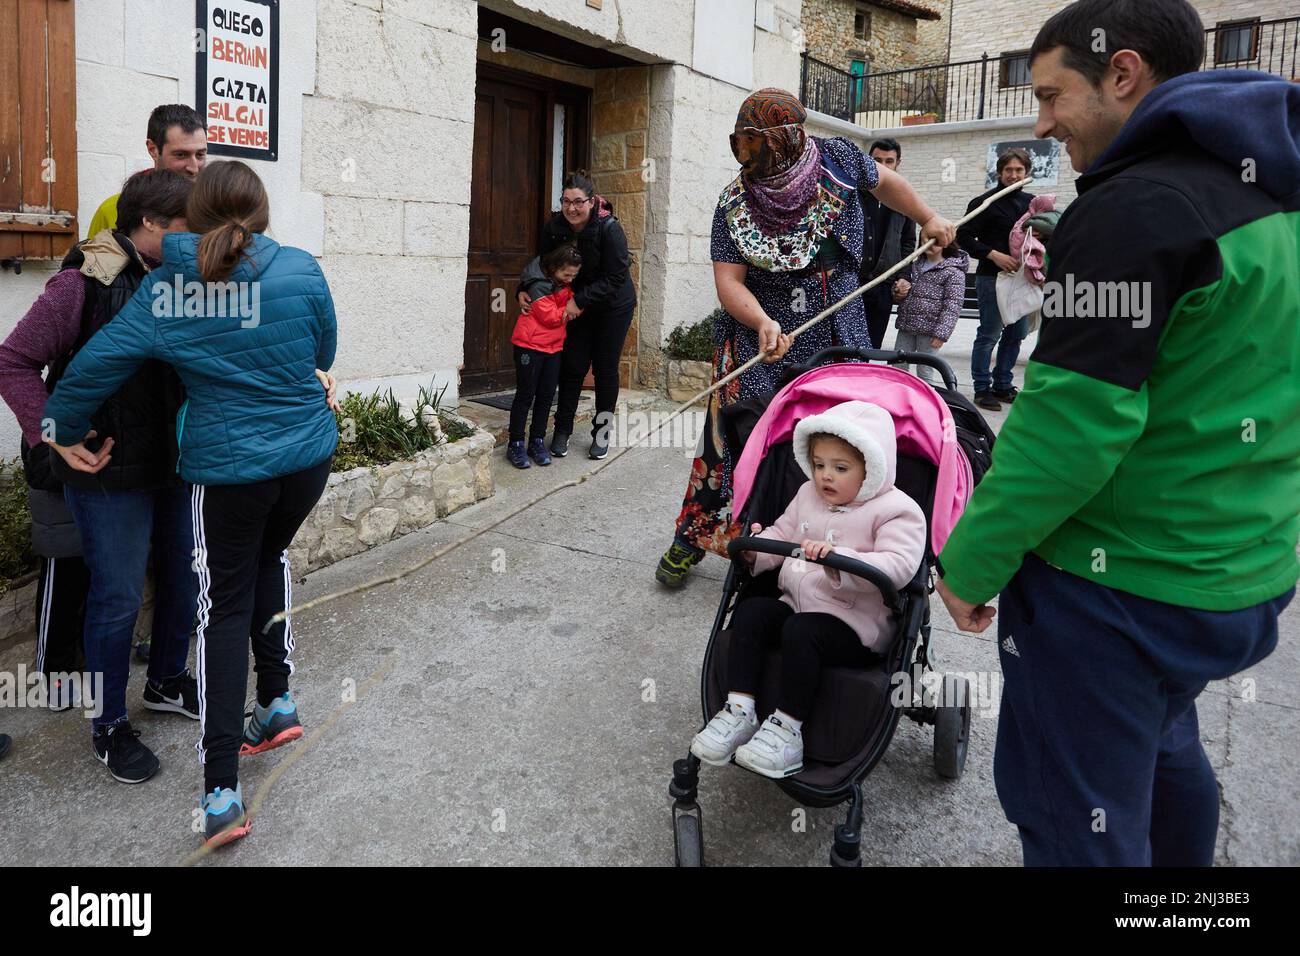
(927,316)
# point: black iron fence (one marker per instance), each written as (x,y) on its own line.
(997,86)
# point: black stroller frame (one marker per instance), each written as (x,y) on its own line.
(909,656)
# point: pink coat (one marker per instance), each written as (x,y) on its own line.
(1023,241)
(886,530)
(922,422)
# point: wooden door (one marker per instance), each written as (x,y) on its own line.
(516,147)
(505,218)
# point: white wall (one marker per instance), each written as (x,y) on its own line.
(391,239)
(376,133)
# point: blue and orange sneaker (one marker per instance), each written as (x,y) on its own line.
(272,726)
(223,816)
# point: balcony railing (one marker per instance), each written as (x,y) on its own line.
(998,86)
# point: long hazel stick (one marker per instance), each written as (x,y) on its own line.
(573,483)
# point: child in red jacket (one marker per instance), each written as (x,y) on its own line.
(538,341)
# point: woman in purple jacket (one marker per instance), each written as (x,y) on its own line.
(927,316)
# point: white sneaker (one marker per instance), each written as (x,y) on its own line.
(775,751)
(716,743)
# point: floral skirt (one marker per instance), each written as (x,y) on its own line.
(705,519)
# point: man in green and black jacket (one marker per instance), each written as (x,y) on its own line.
(1141,517)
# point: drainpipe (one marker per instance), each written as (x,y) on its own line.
(951,13)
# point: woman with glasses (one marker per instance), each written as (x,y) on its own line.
(787,242)
(600,312)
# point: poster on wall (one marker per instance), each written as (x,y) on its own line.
(1045,153)
(237,76)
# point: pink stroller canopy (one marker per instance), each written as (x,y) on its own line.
(921,418)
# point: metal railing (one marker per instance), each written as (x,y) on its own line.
(998,86)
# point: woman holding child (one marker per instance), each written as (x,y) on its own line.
(599,313)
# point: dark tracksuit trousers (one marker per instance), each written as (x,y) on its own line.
(241,535)
(808,642)
(1099,759)
(61,614)
(594,339)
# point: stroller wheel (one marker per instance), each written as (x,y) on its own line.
(688,838)
(952,728)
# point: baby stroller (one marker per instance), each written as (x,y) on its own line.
(944,447)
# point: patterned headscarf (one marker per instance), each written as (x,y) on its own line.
(780,197)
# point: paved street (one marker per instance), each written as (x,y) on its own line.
(509,721)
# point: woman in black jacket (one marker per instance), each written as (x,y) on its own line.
(601,308)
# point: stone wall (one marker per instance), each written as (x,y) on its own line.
(891,43)
(620,125)
(366,507)
(690,118)
(932,35)
(389,149)
(1000,26)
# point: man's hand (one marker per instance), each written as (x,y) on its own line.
(974,618)
(571,310)
(80,458)
(1003,261)
(773,341)
(330,385)
(901,288)
(943,232)
(525,302)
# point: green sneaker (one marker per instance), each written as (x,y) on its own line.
(676,564)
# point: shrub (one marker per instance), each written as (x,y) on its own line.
(16,557)
(374,430)
(693,343)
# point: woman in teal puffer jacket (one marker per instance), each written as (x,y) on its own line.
(246,323)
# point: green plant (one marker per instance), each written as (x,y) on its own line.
(15,525)
(374,430)
(693,343)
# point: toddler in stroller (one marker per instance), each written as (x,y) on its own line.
(849,506)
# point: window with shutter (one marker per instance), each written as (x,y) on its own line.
(38,129)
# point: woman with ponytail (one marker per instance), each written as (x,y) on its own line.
(247,324)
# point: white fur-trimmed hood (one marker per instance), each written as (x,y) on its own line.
(868,428)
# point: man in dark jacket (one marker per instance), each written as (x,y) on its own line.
(889,238)
(1140,519)
(987,238)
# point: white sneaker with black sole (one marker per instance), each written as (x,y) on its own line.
(177,695)
(719,739)
(776,751)
(118,748)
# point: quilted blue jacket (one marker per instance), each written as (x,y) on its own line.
(247,351)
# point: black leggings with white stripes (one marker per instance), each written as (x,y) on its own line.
(241,534)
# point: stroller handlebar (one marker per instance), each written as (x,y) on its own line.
(840,353)
(788,549)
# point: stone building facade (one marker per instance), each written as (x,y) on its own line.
(376,164)
(891,38)
(1003,26)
